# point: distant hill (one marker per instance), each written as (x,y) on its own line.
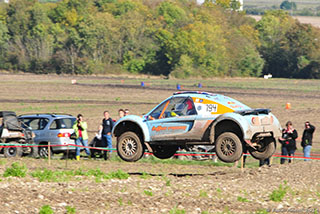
(304,7)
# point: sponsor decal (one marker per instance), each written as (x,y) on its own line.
(201,100)
(199,108)
(177,128)
(158,128)
(231,103)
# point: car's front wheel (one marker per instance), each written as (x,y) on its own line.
(129,147)
(229,147)
(264,150)
(164,152)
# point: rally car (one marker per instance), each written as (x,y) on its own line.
(198,118)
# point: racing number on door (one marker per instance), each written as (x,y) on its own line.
(212,107)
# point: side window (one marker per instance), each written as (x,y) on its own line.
(178,106)
(35,123)
(65,123)
(54,125)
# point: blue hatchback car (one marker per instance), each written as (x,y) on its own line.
(198,118)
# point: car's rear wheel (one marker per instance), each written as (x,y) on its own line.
(264,150)
(11,152)
(129,147)
(44,152)
(164,152)
(229,147)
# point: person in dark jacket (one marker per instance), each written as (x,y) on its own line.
(107,125)
(306,141)
(288,141)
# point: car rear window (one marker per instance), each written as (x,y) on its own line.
(64,123)
(35,123)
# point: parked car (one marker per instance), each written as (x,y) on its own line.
(11,133)
(53,128)
(198,118)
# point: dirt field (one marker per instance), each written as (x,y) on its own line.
(164,188)
(158,187)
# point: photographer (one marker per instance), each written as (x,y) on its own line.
(306,141)
(288,141)
(80,128)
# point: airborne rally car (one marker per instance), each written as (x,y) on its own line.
(198,118)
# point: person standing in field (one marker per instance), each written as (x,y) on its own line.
(80,128)
(107,125)
(121,113)
(288,142)
(126,112)
(306,141)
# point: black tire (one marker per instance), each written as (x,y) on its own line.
(34,151)
(129,147)
(265,150)
(43,152)
(12,152)
(228,147)
(164,152)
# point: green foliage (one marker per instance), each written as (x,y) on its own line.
(145,175)
(175,210)
(179,39)
(58,176)
(286,5)
(278,194)
(241,199)
(203,193)
(46,209)
(16,170)
(70,210)
(148,193)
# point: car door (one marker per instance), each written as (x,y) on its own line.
(37,125)
(172,119)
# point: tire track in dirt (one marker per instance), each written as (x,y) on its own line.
(270,92)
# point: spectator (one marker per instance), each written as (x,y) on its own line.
(107,125)
(306,141)
(80,128)
(121,113)
(288,141)
(126,112)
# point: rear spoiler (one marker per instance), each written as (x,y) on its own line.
(254,111)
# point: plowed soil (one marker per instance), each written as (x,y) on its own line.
(164,189)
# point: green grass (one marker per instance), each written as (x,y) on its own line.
(203,193)
(175,210)
(46,209)
(242,199)
(16,170)
(59,176)
(277,195)
(70,210)
(148,193)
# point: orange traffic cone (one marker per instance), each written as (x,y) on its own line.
(288,105)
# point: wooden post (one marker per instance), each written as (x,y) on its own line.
(67,156)
(271,158)
(241,163)
(49,155)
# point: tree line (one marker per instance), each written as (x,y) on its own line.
(161,37)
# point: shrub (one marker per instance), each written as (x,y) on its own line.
(278,194)
(16,170)
(46,209)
